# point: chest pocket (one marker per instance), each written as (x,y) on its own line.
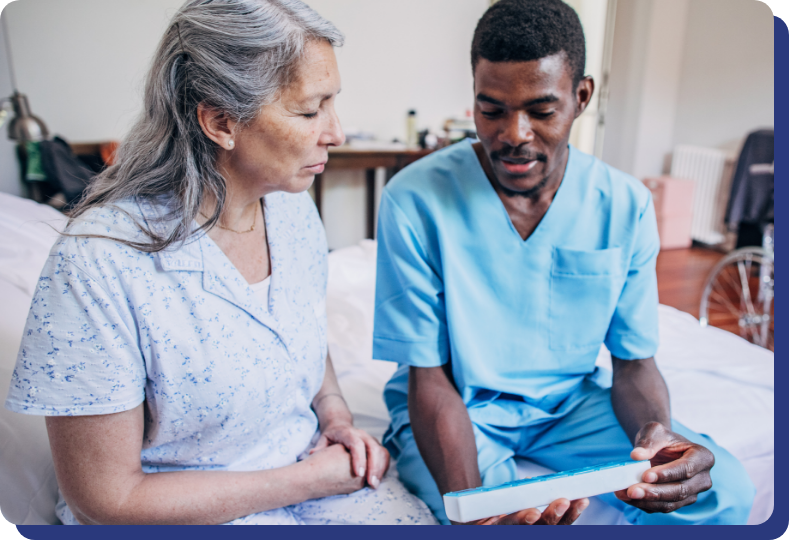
(585,286)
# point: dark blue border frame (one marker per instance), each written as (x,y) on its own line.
(771,529)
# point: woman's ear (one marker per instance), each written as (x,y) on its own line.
(217,126)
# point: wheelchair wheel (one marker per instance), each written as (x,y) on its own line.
(738,296)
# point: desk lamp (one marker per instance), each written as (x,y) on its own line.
(24,127)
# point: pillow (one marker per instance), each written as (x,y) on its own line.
(350,299)
(28,489)
(27,232)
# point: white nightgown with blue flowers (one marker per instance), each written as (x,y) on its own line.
(227,381)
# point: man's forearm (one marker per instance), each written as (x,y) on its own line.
(442,430)
(639,395)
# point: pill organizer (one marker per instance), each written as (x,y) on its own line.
(471,504)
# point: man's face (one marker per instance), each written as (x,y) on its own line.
(524,112)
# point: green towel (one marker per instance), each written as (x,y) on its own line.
(35,170)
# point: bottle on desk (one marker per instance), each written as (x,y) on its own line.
(411,130)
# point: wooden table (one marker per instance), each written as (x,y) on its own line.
(344,158)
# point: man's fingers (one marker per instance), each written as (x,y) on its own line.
(640,453)
(694,460)
(523,517)
(554,513)
(673,492)
(622,495)
(574,512)
(650,440)
(653,507)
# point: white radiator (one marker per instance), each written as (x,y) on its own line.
(711,170)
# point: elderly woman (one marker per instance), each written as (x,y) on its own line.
(177,339)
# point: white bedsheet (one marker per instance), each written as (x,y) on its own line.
(720,384)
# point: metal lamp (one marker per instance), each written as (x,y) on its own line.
(25,127)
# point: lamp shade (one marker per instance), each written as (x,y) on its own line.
(25,127)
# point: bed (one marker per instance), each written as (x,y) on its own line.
(720,384)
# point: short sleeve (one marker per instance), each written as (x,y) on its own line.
(79,352)
(410,316)
(633,332)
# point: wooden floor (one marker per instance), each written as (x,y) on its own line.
(681,274)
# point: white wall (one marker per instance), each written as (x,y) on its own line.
(398,55)
(694,72)
(82,64)
(646,66)
(727,77)
(10,180)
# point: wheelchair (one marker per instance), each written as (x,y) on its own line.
(741,288)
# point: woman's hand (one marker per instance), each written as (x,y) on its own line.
(370,460)
(559,512)
(331,472)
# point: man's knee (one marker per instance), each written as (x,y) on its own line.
(733,488)
(728,502)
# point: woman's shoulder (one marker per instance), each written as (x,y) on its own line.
(102,233)
(120,219)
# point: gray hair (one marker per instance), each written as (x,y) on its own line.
(231,55)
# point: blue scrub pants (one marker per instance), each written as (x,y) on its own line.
(588,435)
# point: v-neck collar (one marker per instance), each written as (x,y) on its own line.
(200,253)
(547,219)
(234,288)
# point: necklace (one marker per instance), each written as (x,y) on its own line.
(252,228)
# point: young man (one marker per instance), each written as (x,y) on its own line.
(503,266)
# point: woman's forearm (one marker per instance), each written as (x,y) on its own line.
(329,404)
(198,497)
(97,463)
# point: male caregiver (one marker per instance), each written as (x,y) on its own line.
(503,266)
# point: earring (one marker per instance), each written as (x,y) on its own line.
(231,143)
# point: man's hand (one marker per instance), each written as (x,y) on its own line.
(680,471)
(370,459)
(559,512)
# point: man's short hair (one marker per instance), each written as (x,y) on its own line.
(525,30)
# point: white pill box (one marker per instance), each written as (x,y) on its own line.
(483,502)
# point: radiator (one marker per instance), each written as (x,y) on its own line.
(711,170)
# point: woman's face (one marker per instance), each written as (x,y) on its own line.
(288,143)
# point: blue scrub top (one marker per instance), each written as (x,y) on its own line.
(521,321)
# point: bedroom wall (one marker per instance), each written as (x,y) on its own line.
(694,72)
(727,82)
(649,39)
(83,71)
(10,181)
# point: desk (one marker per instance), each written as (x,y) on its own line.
(351,159)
